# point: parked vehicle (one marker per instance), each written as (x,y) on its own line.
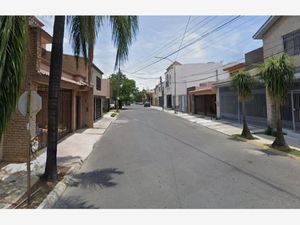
(147,104)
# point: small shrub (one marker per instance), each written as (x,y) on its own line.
(113,114)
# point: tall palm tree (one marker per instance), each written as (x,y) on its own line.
(243,82)
(84,30)
(13,37)
(53,93)
(278,74)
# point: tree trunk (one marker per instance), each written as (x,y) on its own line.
(90,62)
(279,140)
(246,132)
(53,93)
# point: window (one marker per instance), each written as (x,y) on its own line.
(291,42)
(167,80)
(98,83)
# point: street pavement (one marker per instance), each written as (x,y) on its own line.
(151,159)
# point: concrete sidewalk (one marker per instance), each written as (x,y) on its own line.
(230,128)
(72,150)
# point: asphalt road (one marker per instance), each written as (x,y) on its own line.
(151,159)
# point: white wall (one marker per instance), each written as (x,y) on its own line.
(189,75)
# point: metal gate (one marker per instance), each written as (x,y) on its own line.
(64,115)
(296,110)
(97,102)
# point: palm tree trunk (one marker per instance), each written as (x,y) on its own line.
(279,140)
(246,132)
(90,62)
(53,93)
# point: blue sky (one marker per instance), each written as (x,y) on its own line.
(160,35)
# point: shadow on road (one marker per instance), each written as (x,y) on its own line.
(73,202)
(96,179)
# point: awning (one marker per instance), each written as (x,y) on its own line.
(204,91)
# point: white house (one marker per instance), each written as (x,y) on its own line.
(188,76)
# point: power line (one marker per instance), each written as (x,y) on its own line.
(191,43)
(187,24)
(222,37)
(170,43)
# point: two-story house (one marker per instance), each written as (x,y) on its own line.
(188,78)
(75,97)
(282,34)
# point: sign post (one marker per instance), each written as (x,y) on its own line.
(30,103)
(29,149)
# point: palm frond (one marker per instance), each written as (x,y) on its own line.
(13,36)
(83,33)
(243,82)
(278,74)
(124,29)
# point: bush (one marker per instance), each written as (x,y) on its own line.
(113,114)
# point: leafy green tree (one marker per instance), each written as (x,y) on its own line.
(139,96)
(278,75)
(13,39)
(243,82)
(122,87)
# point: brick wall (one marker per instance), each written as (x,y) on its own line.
(16,137)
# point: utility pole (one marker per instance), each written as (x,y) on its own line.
(217,75)
(118,89)
(174,71)
(175,110)
(162,93)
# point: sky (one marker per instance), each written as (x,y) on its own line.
(158,36)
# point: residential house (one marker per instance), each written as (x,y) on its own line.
(75,97)
(189,77)
(149,96)
(228,100)
(158,98)
(282,34)
(101,92)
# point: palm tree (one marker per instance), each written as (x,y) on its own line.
(243,82)
(53,92)
(84,30)
(13,37)
(278,74)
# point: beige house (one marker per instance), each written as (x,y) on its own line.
(282,34)
(101,92)
(76,109)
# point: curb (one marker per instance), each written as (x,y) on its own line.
(59,188)
(62,185)
(265,147)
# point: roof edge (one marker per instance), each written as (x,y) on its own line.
(265,27)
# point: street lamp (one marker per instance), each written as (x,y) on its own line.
(173,62)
